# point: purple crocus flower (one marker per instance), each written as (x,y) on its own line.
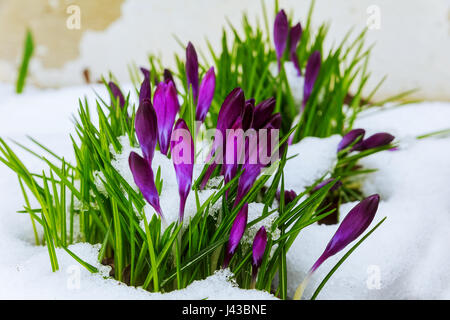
(143,177)
(117,94)
(236,233)
(231,109)
(294,38)
(377,140)
(259,247)
(146,129)
(182,148)
(233,150)
(353,225)
(246,180)
(192,69)
(205,95)
(280,35)
(145,92)
(350,138)
(263,112)
(168,77)
(166,106)
(311,73)
(289,196)
(248,114)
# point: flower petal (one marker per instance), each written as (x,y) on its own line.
(263,112)
(280,34)
(182,148)
(311,73)
(233,150)
(350,137)
(146,129)
(117,94)
(289,196)
(353,225)
(143,177)
(192,69)
(236,233)
(259,246)
(247,116)
(206,94)
(145,92)
(166,107)
(294,38)
(377,140)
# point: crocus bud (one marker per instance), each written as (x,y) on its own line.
(259,246)
(205,95)
(311,73)
(145,92)
(236,233)
(192,69)
(117,94)
(182,147)
(350,138)
(377,140)
(145,72)
(168,76)
(263,112)
(353,225)
(247,116)
(166,106)
(280,35)
(233,150)
(294,37)
(146,129)
(289,196)
(143,177)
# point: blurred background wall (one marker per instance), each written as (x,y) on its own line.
(412,37)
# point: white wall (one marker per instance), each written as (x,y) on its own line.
(412,43)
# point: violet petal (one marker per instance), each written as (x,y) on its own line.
(147,129)
(377,140)
(311,73)
(192,69)
(182,148)
(206,94)
(143,177)
(117,94)
(166,106)
(236,233)
(259,246)
(280,34)
(353,225)
(350,137)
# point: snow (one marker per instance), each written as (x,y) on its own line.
(406,258)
